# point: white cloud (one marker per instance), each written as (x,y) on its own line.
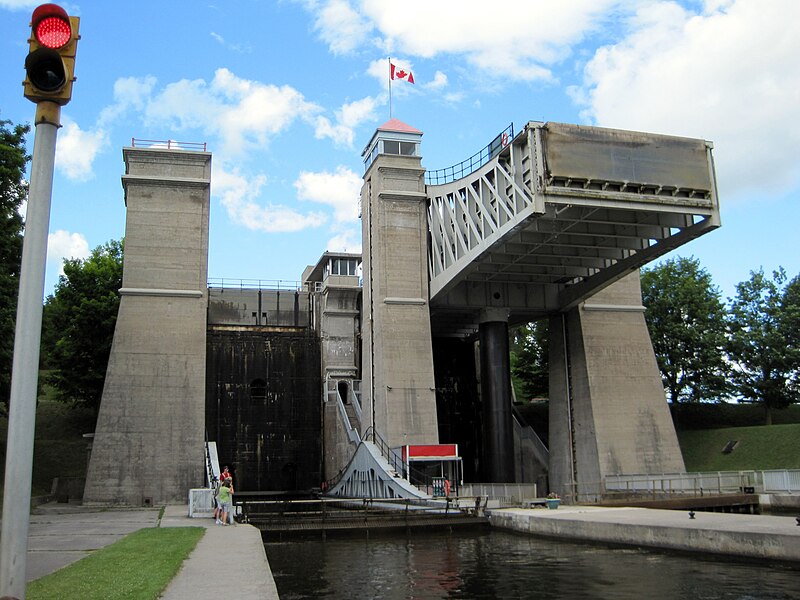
(520,43)
(237,193)
(339,190)
(62,245)
(339,25)
(439,81)
(730,75)
(348,117)
(240,48)
(345,241)
(129,93)
(243,113)
(76,150)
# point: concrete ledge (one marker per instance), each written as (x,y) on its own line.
(160,292)
(412,301)
(750,536)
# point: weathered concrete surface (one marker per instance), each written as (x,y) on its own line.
(148,445)
(608,412)
(399,386)
(750,536)
(61,534)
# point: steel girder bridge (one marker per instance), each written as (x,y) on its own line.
(558,213)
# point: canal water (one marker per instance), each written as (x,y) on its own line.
(495,564)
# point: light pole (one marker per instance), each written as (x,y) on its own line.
(49,67)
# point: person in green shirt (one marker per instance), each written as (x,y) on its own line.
(225,498)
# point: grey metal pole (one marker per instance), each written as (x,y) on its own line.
(25,370)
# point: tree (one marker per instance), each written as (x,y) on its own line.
(13,190)
(530,359)
(762,345)
(78,325)
(686,321)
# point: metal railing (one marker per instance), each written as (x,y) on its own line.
(169,145)
(505,493)
(395,461)
(477,160)
(347,513)
(254,284)
(715,482)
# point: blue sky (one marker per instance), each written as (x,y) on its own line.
(287,93)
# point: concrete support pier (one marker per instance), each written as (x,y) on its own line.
(498,432)
(608,411)
(749,536)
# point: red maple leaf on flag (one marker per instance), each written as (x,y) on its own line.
(397,73)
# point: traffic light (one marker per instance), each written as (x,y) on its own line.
(50,63)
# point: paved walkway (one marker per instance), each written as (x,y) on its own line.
(751,536)
(228,562)
(61,534)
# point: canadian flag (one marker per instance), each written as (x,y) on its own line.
(398,73)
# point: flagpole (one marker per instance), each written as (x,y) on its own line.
(390,88)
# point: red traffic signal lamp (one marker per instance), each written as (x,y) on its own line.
(50,63)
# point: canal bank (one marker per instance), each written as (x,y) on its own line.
(747,536)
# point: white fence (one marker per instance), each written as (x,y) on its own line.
(720,482)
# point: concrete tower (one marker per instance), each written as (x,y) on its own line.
(149,439)
(398,384)
(608,414)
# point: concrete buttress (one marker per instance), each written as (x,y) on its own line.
(149,441)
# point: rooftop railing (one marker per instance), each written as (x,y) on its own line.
(168,144)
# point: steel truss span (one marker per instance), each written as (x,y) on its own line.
(558,214)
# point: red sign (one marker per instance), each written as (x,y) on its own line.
(419,452)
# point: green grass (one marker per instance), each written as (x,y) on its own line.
(759,448)
(137,567)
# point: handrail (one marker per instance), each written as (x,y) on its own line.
(406,471)
(469,165)
(168,144)
(395,460)
(392,457)
(255,284)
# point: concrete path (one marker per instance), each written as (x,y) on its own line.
(228,562)
(751,536)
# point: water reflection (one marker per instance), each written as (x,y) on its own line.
(497,564)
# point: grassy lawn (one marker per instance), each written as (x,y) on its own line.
(137,567)
(759,448)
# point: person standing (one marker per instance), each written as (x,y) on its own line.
(225,498)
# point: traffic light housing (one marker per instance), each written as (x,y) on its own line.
(50,63)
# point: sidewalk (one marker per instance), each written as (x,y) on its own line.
(61,534)
(228,562)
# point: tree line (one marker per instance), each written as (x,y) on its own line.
(78,318)
(745,350)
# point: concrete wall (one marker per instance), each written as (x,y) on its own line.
(398,363)
(148,445)
(608,411)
